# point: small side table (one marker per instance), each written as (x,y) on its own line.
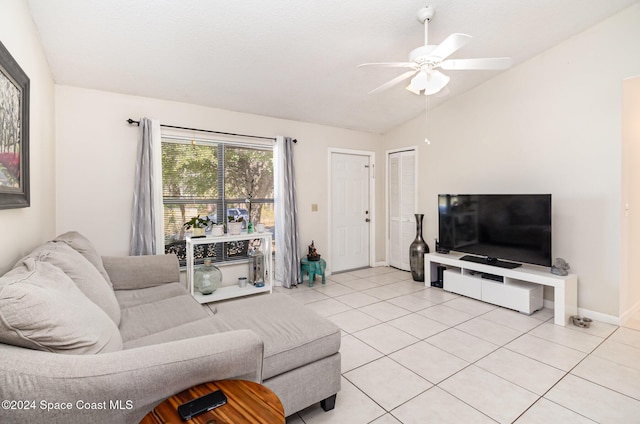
(312,268)
(247,402)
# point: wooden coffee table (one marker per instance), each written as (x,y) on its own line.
(247,402)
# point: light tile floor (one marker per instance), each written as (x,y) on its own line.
(412,354)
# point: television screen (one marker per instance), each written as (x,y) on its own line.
(511,227)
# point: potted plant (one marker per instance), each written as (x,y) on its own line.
(199,225)
(217,230)
(234,226)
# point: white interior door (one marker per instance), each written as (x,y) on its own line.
(401,182)
(350,215)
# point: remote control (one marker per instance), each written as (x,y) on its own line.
(201,405)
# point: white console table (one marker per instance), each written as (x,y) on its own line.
(465,278)
(230,291)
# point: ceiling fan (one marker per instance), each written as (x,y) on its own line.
(425,61)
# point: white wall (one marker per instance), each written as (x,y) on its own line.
(550,125)
(630,283)
(96,151)
(23,229)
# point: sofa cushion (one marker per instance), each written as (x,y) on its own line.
(83,246)
(42,308)
(137,272)
(293,335)
(149,318)
(81,272)
(201,327)
(129,298)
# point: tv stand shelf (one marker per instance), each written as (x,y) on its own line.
(521,288)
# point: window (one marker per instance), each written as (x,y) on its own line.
(221,180)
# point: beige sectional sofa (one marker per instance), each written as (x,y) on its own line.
(90,339)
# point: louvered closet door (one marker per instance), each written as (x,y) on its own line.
(402,204)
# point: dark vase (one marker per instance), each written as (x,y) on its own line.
(417,250)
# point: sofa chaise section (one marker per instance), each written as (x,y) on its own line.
(301,348)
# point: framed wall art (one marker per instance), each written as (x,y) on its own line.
(14,133)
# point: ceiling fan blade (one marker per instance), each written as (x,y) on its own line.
(451,44)
(469,64)
(393,82)
(390,64)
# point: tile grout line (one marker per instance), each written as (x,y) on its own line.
(564,376)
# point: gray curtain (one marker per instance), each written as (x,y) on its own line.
(287,236)
(143,239)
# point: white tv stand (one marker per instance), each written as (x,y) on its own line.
(521,288)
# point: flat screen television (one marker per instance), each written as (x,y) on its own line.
(498,229)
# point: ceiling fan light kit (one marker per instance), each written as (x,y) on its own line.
(424,61)
(428,82)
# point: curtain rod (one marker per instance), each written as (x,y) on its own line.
(131,121)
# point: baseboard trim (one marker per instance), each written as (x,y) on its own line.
(599,316)
(634,309)
(596,316)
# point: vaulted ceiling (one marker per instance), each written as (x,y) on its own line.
(292,59)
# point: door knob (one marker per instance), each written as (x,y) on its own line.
(367,220)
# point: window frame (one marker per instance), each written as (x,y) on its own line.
(221,202)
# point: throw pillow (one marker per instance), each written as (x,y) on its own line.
(81,272)
(82,245)
(41,308)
